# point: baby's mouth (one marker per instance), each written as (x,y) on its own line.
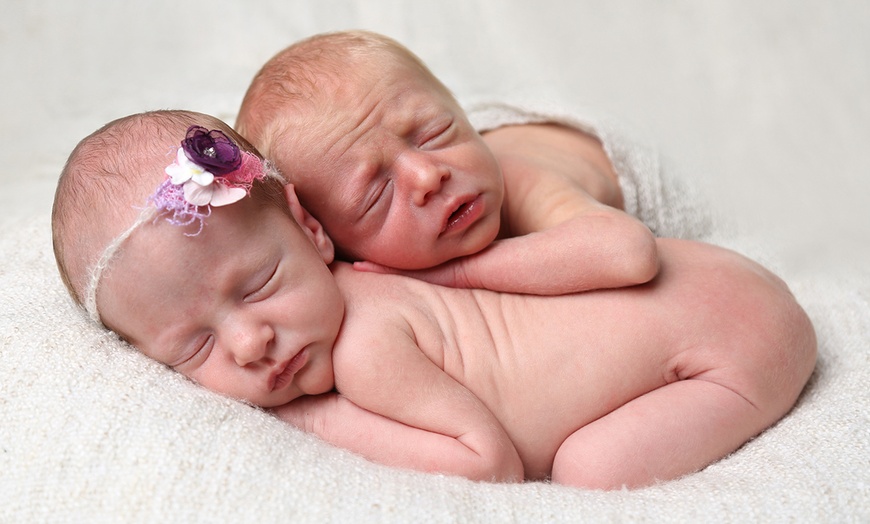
(456,215)
(463,215)
(290,369)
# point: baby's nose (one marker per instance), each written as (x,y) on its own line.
(423,177)
(249,342)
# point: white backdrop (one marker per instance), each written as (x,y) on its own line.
(767,104)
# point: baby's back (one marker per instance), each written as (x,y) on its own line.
(547,366)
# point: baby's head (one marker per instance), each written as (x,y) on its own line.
(379,150)
(171,230)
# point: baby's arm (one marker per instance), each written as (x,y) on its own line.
(561,236)
(337,420)
(402,410)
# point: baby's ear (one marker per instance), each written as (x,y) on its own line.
(310,225)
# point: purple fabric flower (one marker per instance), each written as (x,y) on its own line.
(209,171)
(212,150)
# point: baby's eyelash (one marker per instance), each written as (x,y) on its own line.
(380,193)
(440,131)
(205,348)
(200,352)
(256,295)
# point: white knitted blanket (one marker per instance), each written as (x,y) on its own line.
(92,431)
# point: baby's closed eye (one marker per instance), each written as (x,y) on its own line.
(199,352)
(438,136)
(378,194)
(264,286)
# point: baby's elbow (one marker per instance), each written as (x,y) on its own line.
(497,465)
(510,470)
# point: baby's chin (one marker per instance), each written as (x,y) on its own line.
(471,246)
(480,240)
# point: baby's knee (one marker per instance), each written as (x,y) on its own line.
(799,352)
(780,364)
(761,345)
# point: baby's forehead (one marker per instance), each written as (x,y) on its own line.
(395,94)
(97,198)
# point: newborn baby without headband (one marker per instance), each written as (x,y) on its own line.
(209,171)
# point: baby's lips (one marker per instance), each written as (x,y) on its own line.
(461,211)
(285,372)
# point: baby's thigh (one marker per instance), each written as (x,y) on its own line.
(743,352)
(740,326)
(661,435)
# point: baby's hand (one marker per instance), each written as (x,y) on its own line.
(305,412)
(453,273)
(370,267)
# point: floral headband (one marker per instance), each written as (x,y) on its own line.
(209,171)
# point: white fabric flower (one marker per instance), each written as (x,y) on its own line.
(183,170)
(213,194)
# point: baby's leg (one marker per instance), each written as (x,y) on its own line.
(752,367)
(666,433)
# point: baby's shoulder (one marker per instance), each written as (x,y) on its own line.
(379,324)
(376,306)
(374,295)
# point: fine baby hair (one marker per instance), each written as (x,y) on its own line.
(208,169)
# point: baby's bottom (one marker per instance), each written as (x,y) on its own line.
(751,362)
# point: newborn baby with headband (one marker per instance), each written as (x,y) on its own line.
(172,231)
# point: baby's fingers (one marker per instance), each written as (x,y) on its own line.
(371,267)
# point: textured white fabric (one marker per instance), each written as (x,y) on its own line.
(92,431)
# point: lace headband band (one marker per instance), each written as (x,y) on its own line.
(209,170)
